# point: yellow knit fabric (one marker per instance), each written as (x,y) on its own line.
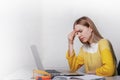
(102,61)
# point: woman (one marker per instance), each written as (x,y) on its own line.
(95,52)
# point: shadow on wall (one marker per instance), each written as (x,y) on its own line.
(113,52)
(118,68)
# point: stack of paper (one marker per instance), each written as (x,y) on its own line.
(85,77)
(88,77)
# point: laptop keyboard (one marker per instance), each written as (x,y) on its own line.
(53,72)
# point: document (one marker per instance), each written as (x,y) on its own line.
(72,74)
(88,77)
(84,77)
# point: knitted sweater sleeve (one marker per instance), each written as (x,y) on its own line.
(108,65)
(75,62)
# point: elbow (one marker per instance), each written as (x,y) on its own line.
(109,72)
(106,71)
(72,70)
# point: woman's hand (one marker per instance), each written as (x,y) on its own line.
(71,37)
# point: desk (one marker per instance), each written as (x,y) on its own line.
(21,74)
(106,78)
(26,74)
(113,78)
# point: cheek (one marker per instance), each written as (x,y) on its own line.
(87,34)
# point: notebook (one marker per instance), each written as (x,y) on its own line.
(39,63)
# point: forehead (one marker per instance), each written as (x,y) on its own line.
(79,27)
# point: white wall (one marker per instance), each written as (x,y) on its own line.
(46,23)
(59,16)
(20,25)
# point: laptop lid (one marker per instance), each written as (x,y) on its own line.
(38,60)
(36,57)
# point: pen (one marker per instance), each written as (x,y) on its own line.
(76,78)
(98,79)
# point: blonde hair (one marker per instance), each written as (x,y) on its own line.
(85,21)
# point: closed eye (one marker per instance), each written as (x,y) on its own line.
(80,31)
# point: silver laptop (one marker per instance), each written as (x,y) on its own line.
(51,71)
(39,63)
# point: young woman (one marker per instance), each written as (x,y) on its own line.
(95,53)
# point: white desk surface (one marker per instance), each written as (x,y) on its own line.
(113,78)
(22,74)
(27,74)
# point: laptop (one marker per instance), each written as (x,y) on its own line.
(39,63)
(53,72)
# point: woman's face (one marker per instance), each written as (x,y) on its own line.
(83,32)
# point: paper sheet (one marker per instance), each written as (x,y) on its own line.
(85,77)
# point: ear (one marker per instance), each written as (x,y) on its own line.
(90,29)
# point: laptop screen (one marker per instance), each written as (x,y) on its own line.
(36,57)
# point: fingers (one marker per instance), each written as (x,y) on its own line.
(71,36)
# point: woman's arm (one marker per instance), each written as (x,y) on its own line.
(108,64)
(71,37)
(75,62)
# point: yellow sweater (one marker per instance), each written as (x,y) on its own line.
(101,61)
